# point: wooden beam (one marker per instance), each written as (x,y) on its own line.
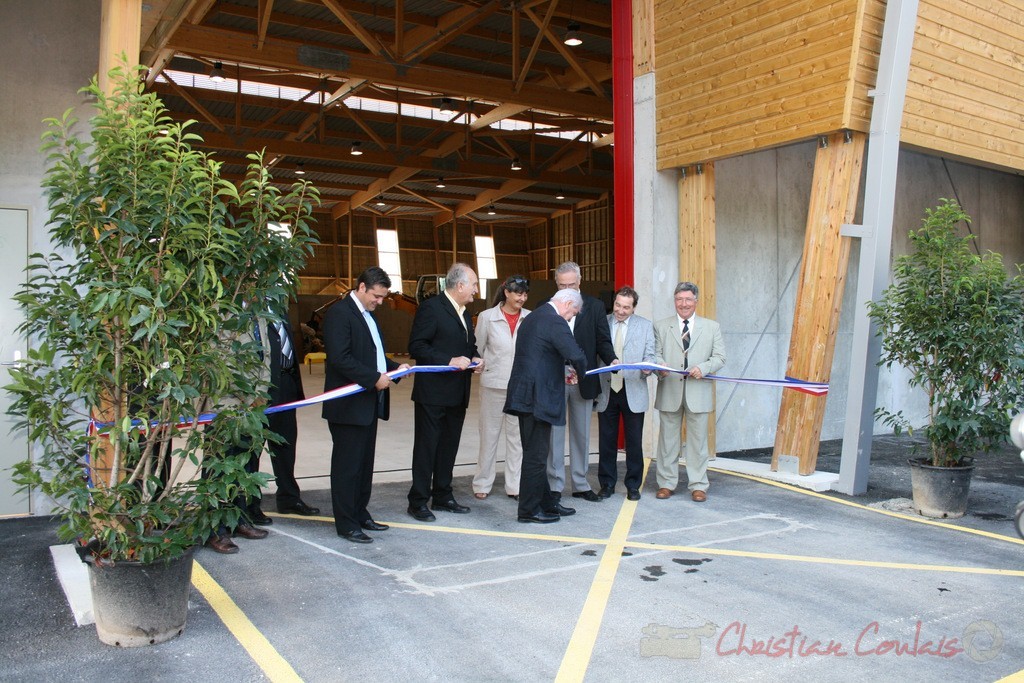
(568,56)
(266,9)
(298,56)
(697,246)
(427,40)
(120,26)
(368,40)
(819,296)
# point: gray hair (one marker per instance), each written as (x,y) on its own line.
(687,287)
(569,267)
(571,295)
(457,275)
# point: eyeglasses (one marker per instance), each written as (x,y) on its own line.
(686,299)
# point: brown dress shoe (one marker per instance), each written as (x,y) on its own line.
(221,544)
(249,531)
(698,496)
(663,494)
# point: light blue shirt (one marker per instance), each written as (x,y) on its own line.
(382,365)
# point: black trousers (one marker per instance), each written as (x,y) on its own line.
(608,442)
(534,491)
(282,455)
(352,455)
(435,446)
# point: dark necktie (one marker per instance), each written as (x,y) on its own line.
(258,337)
(686,343)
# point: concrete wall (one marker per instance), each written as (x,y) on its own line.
(761,205)
(50,50)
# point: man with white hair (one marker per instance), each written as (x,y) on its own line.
(590,329)
(442,334)
(535,395)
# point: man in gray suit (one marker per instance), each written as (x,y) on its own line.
(689,342)
(624,395)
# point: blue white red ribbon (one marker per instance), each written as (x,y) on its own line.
(340,392)
(813,388)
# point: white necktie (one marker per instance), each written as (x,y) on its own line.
(381,363)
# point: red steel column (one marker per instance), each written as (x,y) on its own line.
(622,110)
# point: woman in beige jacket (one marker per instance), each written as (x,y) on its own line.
(496,341)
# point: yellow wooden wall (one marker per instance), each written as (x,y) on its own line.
(734,76)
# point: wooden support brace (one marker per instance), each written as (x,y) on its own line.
(819,296)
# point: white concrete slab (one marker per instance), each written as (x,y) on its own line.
(74,579)
(817,481)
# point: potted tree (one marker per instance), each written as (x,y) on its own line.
(140,323)
(955,320)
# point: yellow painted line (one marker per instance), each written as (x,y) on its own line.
(245,632)
(826,560)
(861,506)
(1013,678)
(581,646)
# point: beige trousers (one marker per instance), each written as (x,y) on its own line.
(492,421)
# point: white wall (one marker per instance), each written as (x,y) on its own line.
(50,50)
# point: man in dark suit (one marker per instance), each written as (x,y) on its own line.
(536,396)
(590,328)
(285,387)
(442,334)
(355,355)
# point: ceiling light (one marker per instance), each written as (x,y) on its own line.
(380,200)
(572,36)
(560,194)
(299,170)
(447,107)
(490,210)
(516,166)
(217,75)
(357,148)
(440,183)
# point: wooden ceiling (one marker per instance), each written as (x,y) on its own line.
(308,79)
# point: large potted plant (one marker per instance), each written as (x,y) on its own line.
(140,323)
(955,320)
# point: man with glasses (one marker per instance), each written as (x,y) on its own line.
(689,342)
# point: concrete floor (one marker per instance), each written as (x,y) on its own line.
(763,580)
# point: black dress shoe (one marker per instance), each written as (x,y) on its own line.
(356,536)
(539,518)
(450,506)
(606,492)
(371,525)
(249,531)
(256,516)
(633,494)
(586,495)
(560,510)
(422,513)
(299,508)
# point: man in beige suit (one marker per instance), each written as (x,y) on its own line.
(689,342)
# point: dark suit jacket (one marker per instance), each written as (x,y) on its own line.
(537,383)
(437,336)
(274,340)
(352,358)
(591,332)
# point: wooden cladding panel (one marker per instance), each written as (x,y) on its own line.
(966,81)
(742,75)
(643,37)
(747,74)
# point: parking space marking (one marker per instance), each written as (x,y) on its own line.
(862,506)
(245,632)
